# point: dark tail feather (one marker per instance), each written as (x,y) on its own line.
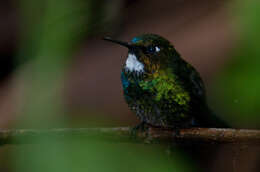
(210,120)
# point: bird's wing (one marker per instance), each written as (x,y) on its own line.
(197,85)
(191,81)
(200,110)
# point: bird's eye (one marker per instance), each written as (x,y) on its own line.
(152,49)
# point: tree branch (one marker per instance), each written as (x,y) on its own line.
(123,134)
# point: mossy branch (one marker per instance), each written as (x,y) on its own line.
(123,134)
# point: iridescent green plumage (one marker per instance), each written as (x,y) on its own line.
(163,89)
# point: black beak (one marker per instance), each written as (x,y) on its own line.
(125,44)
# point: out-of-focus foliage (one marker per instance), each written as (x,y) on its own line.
(239,85)
(85,155)
(56,26)
(51,36)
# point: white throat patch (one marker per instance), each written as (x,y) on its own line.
(132,64)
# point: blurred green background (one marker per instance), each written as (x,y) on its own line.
(55,72)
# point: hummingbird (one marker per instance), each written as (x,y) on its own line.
(161,88)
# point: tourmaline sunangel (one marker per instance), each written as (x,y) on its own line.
(162,88)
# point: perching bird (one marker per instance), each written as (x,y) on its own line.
(161,88)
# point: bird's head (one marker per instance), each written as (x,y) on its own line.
(148,53)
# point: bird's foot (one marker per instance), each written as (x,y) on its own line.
(143,127)
(176,133)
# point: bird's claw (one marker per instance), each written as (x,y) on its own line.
(143,127)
